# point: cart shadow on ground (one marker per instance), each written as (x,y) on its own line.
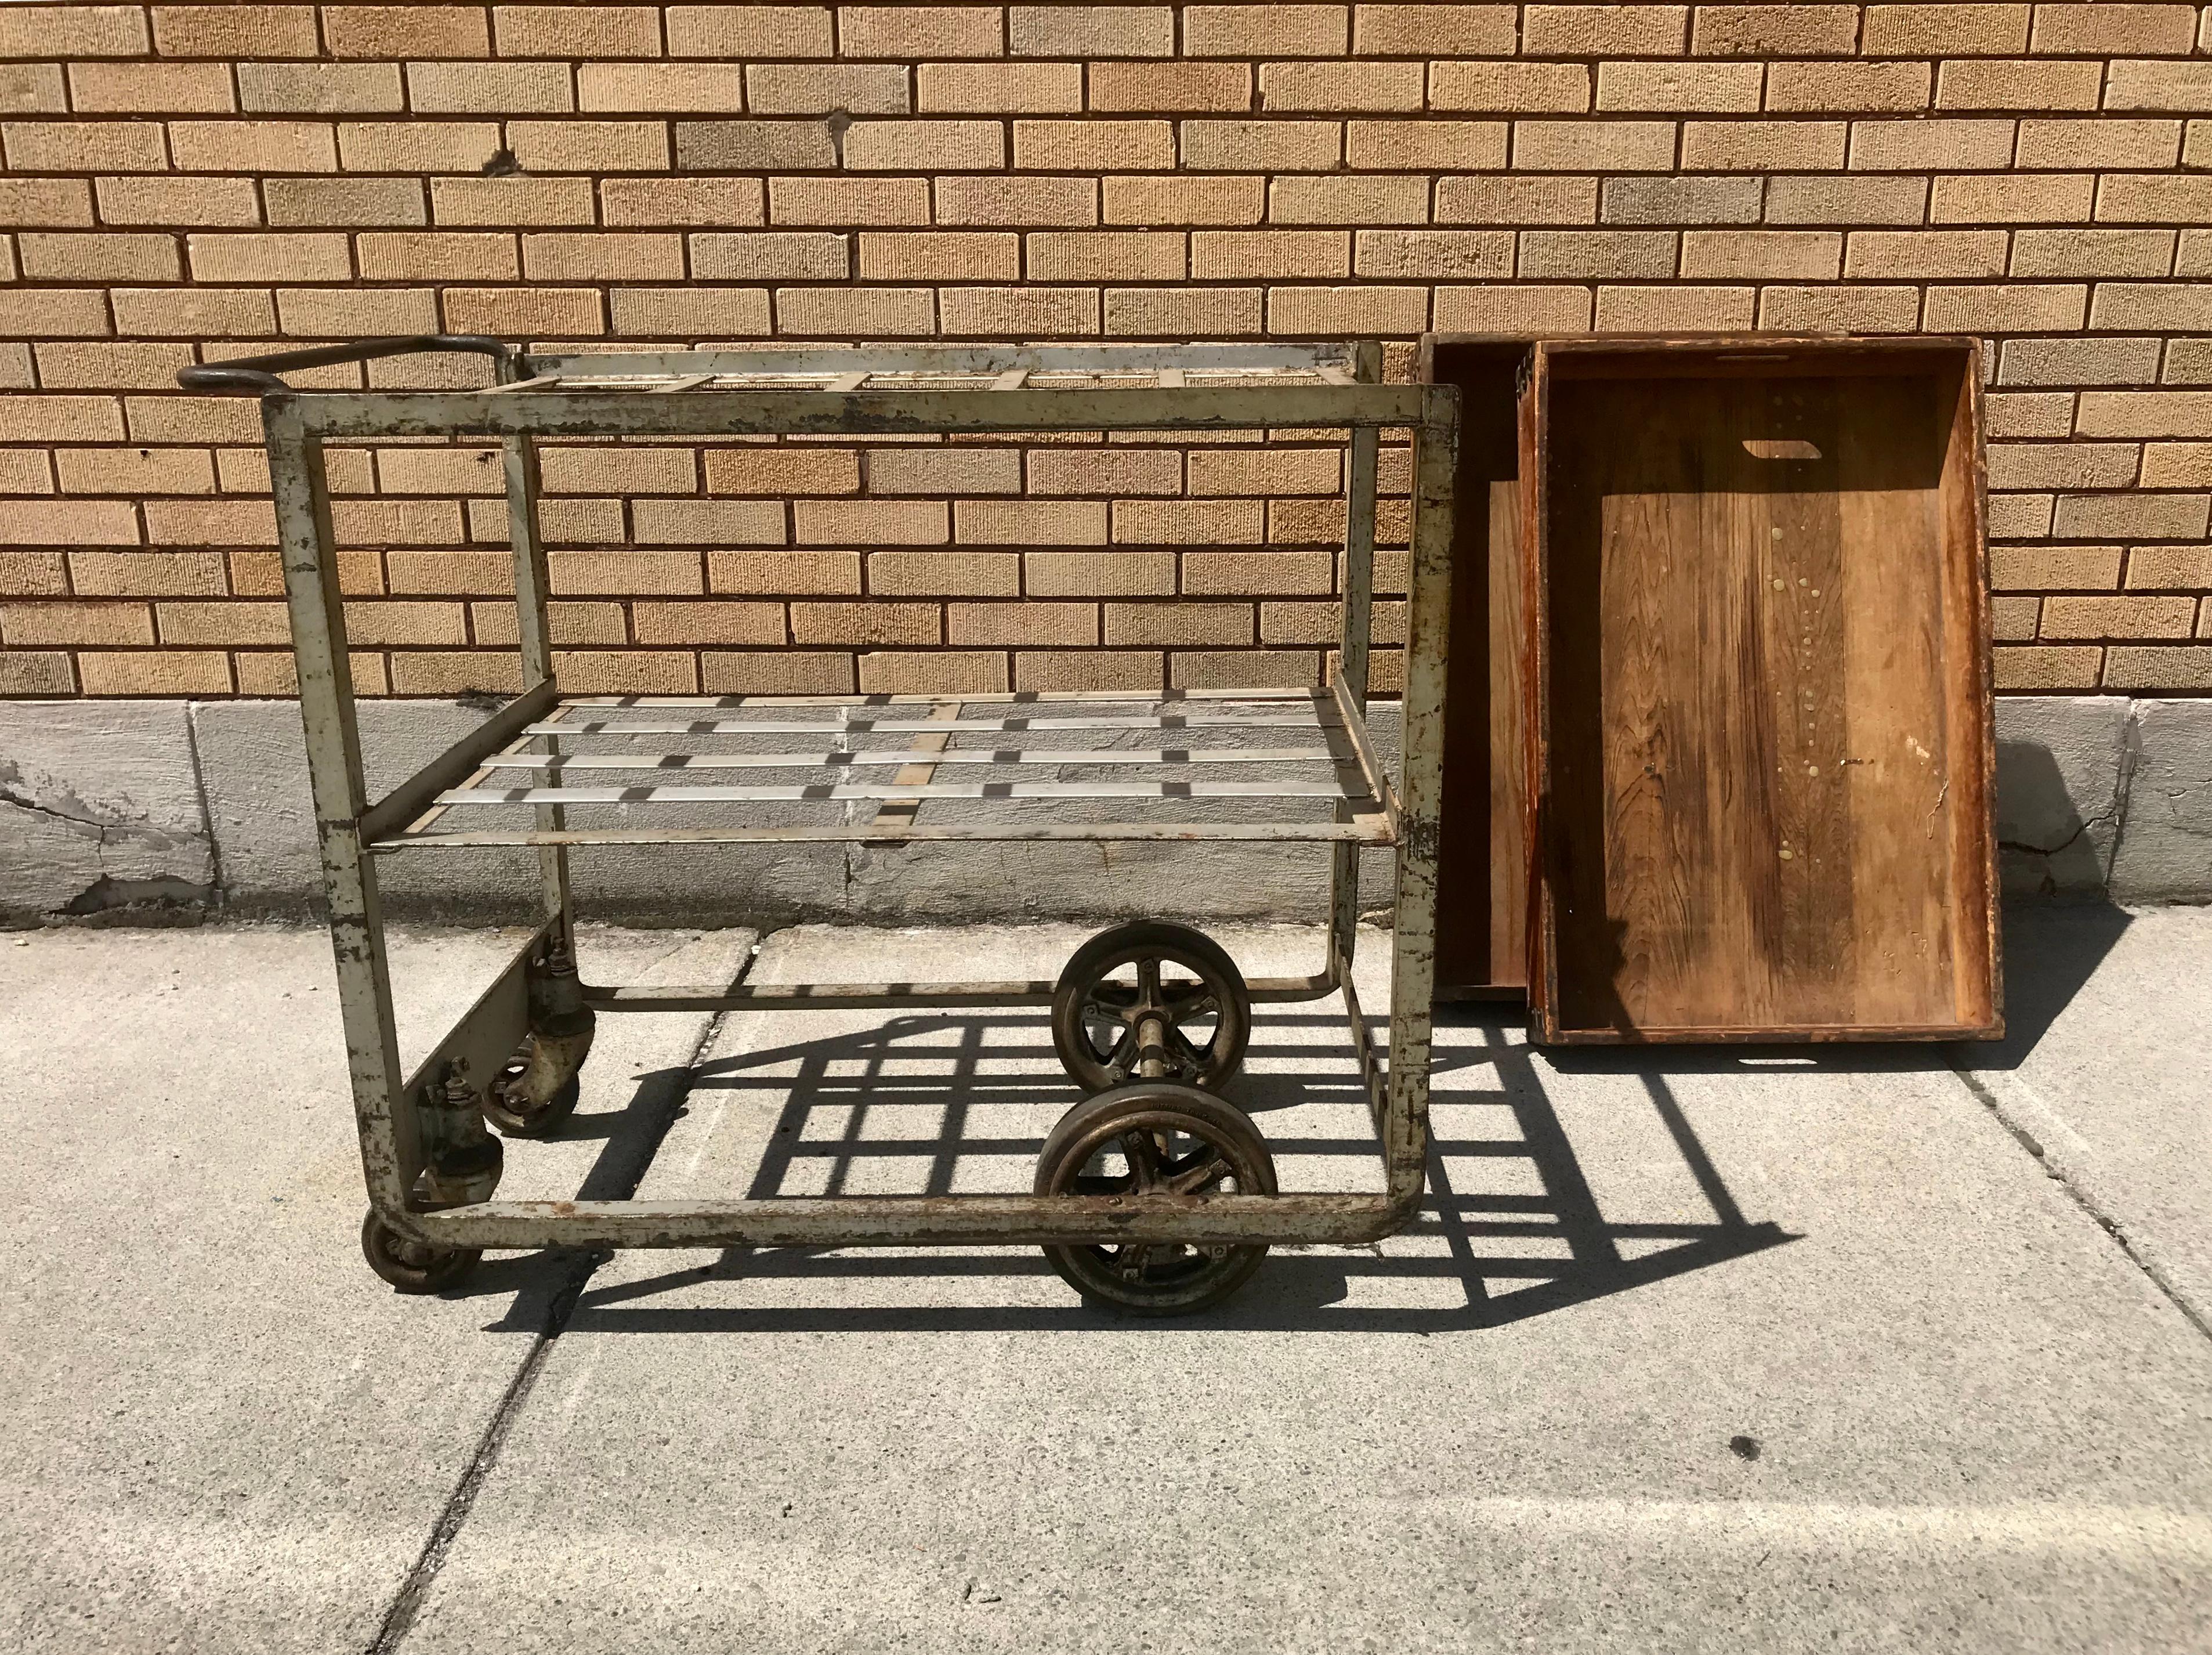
(1475,1257)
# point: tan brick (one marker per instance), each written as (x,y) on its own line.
(72,31)
(437,256)
(437,672)
(1839,310)
(1501,309)
(516,200)
(1435,31)
(2108,28)
(2015,619)
(274,256)
(1773,31)
(177,202)
(489,89)
(134,471)
(1456,255)
(2019,83)
(690,312)
(1022,88)
(1022,624)
(1123,471)
(253,146)
(1516,200)
(622,573)
(1019,312)
(920,32)
(2131,516)
(818,89)
(155,672)
(1109,255)
(1186,199)
(865,623)
(526,313)
(104,365)
(1342,310)
(941,255)
(1763,255)
(568,622)
(447,572)
(2063,466)
(319,88)
(1088,145)
(379,202)
(1218,254)
(422,146)
(681,201)
(1510,88)
(1171,86)
(843,201)
(602,257)
(854,313)
(1636,31)
(85,146)
(776,256)
(1849,88)
(1088,669)
(582,146)
(2154,85)
(198,313)
(2151,667)
(1059,31)
(97,88)
(1182,312)
(234,31)
(749,32)
(709,623)
(792,573)
(617,471)
(2131,197)
(1943,145)
(669,88)
(335,312)
(1301,623)
(27,673)
(65,256)
(47,203)
(408,31)
(1178,624)
(1427,145)
(1302,199)
(596,30)
(2038,569)
(1329,87)
(1265,471)
(780,672)
(2109,144)
(870,522)
(2020,516)
(905,146)
(2071,617)
(944,574)
(1271,146)
(2189,568)
(1676,200)
(1257,573)
(2176,465)
(59,419)
(32,89)
(892,671)
(1187,522)
(69,523)
(145,574)
(177,419)
(1763,146)
(1208,669)
(683,522)
(1099,574)
(1705,87)
(770,146)
(945,470)
(560,522)
(1589,255)
(1276,31)
(1823,200)
(2079,361)
(2029,414)
(1030,522)
(2149,306)
(37,623)
(1876,255)
(396,522)
(2023,198)
(1910,31)
(1626,146)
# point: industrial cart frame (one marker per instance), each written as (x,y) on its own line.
(935,389)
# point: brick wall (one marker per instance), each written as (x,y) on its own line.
(196,181)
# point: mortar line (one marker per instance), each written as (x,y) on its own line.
(407,1602)
(2081,1198)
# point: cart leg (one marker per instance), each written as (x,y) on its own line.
(391,1145)
(1413,945)
(1352,652)
(530,611)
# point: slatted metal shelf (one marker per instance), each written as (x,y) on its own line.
(1329,788)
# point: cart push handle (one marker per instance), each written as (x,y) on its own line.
(256,376)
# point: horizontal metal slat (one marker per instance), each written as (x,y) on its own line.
(839,791)
(683,761)
(912,726)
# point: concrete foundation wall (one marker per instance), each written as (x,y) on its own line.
(151,808)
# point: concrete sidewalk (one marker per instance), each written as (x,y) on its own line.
(1760,1349)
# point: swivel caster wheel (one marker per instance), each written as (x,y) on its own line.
(512,1102)
(1152,989)
(1143,1139)
(411,1265)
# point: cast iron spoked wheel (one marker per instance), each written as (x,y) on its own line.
(1153,1137)
(507,1106)
(1152,972)
(411,1266)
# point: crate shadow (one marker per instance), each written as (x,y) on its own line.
(1477,1260)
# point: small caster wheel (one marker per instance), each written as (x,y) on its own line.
(509,1104)
(1152,978)
(411,1266)
(1143,1138)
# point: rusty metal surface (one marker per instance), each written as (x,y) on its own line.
(1329,388)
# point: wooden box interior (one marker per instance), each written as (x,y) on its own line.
(1759,691)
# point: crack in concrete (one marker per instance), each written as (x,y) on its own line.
(560,1310)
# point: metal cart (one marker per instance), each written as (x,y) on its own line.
(1154,1194)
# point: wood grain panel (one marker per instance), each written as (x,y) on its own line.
(1762,732)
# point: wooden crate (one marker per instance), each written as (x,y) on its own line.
(1482,870)
(1760,690)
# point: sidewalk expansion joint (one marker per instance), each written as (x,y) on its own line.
(578,1269)
(2056,1172)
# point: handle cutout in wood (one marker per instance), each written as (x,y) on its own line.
(1780,448)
